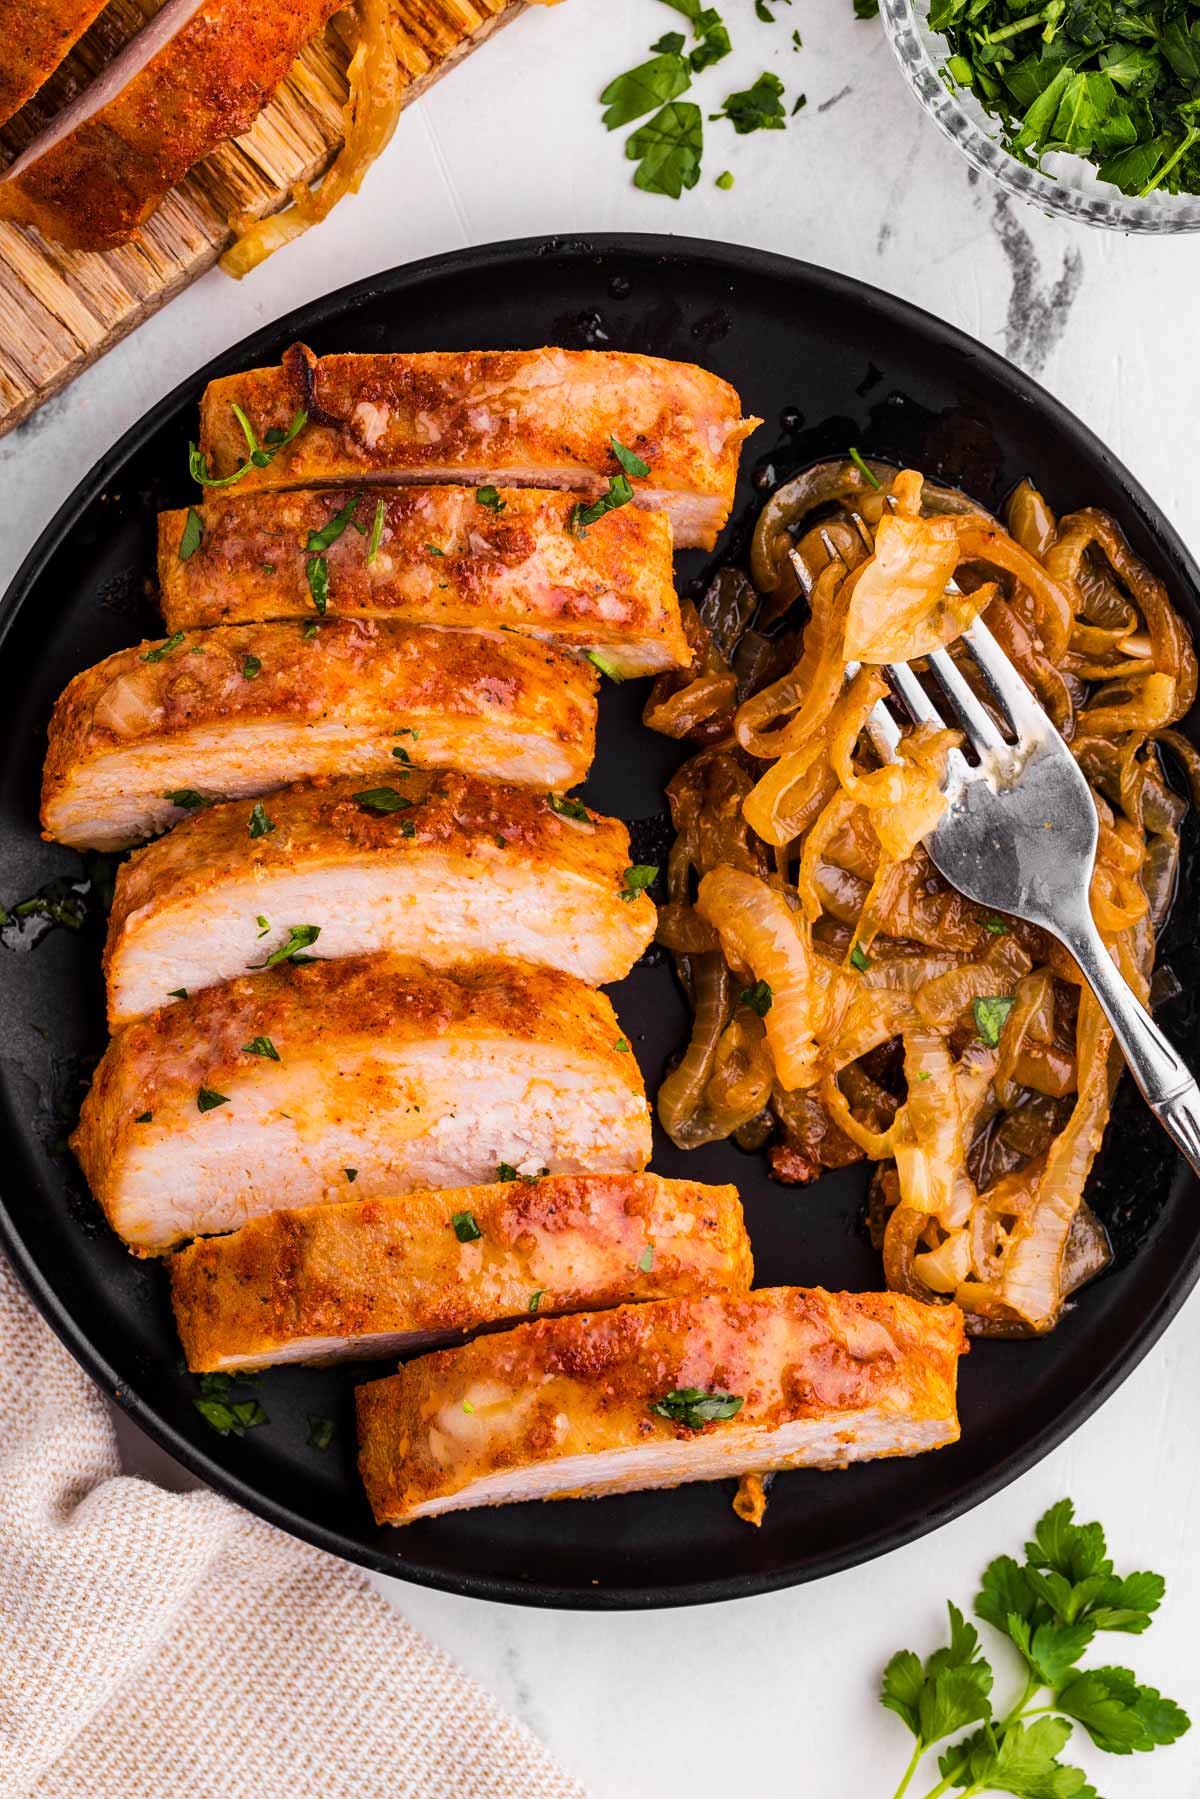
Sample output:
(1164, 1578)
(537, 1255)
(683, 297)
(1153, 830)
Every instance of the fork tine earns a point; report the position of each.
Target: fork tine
(915, 698)
(968, 708)
(1025, 711)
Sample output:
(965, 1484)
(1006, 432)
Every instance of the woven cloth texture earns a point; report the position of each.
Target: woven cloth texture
(155, 1644)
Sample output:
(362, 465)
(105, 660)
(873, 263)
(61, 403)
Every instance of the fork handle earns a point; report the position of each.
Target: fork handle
(1165, 1079)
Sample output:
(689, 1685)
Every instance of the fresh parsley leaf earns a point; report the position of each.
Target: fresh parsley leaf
(193, 535)
(759, 998)
(376, 533)
(261, 1046)
(489, 497)
(990, 1013)
(259, 824)
(316, 571)
(714, 47)
(568, 807)
(259, 456)
(667, 150)
(629, 460)
(636, 879)
(619, 494)
(319, 541)
(638, 91)
(207, 1099)
(952, 1688)
(1120, 1716)
(1023, 1761)
(669, 44)
(757, 108)
(162, 650)
(298, 938)
(693, 1407)
(320, 1432)
(505, 1171)
(762, 12)
(381, 799)
(465, 1227)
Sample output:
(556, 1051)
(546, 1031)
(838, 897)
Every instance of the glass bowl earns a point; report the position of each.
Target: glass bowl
(1067, 185)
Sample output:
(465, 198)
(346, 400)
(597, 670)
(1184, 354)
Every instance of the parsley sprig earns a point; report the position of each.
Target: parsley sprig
(1051, 1607)
(258, 455)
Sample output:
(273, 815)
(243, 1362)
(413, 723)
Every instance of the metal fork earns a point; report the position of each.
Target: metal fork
(1020, 833)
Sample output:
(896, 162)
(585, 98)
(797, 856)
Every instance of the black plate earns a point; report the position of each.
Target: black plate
(855, 367)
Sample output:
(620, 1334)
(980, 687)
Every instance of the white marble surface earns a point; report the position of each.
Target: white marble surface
(773, 1694)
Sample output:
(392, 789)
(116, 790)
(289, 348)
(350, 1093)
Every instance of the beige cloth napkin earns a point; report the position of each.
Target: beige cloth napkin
(155, 1645)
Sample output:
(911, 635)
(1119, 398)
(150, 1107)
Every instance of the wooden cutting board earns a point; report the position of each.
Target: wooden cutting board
(62, 309)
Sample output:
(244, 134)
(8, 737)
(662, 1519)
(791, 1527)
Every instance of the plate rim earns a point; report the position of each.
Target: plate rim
(734, 260)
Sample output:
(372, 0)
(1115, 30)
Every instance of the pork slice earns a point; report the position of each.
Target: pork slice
(434, 556)
(240, 710)
(462, 868)
(257, 1095)
(379, 1277)
(35, 36)
(570, 1407)
(196, 75)
(514, 418)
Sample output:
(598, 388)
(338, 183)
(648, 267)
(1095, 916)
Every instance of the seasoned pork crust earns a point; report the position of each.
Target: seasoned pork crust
(516, 418)
(242, 709)
(414, 1078)
(441, 557)
(463, 868)
(35, 35)
(199, 73)
(391, 1276)
(564, 1408)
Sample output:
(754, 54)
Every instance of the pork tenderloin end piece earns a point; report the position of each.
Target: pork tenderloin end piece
(459, 868)
(435, 556)
(393, 1276)
(165, 728)
(257, 1095)
(509, 418)
(567, 1407)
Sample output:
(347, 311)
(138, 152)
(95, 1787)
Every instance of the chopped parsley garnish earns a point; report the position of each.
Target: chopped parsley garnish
(316, 571)
(465, 1227)
(381, 799)
(261, 1046)
(759, 998)
(724, 181)
(695, 1408)
(407, 828)
(144, 1118)
(856, 458)
(568, 807)
(263, 925)
(376, 533)
(996, 927)
(990, 1014)
(402, 755)
(535, 1298)
(645, 1261)
(435, 549)
(638, 91)
(162, 650)
(637, 878)
(667, 150)
(757, 108)
(187, 799)
(258, 455)
(207, 1099)
(319, 541)
(1116, 84)
(298, 938)
(467, 1406)
(859, 958)
(622, 1046)
(866, 9)
(193, 534)
(489, 497)
(230, 1417)
(505, 1171)
(311, 628)
(351, 1174)
(251, 668)
(320, 1431)
(259, 825)
(714, 45)
(629, 460)
(606, 666)
(177, 993)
